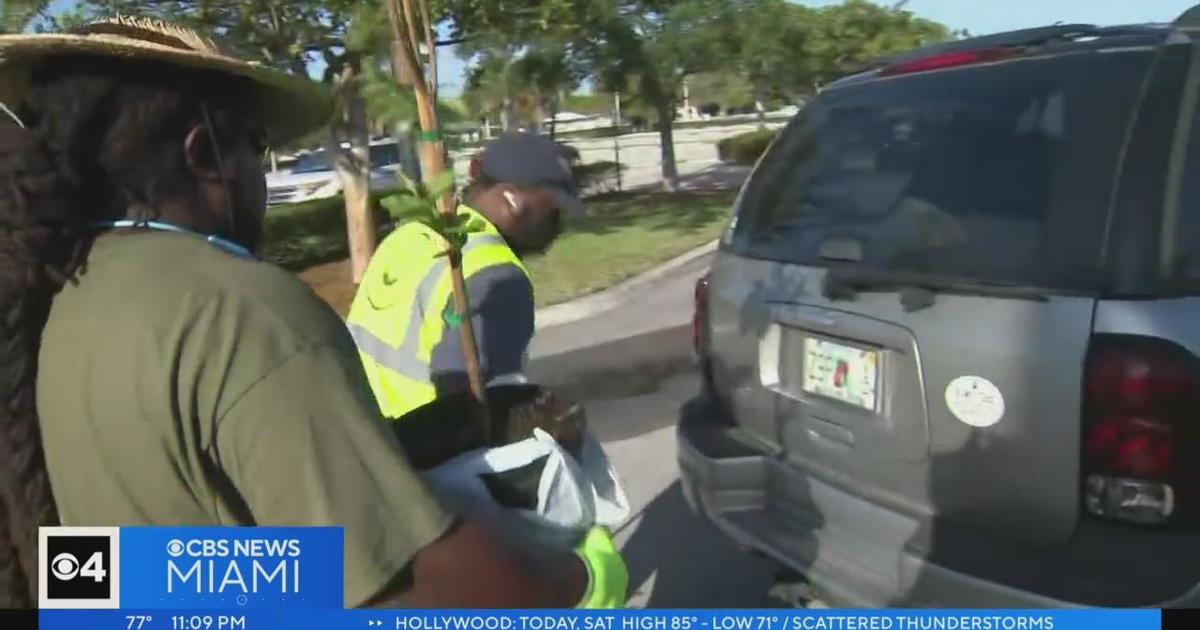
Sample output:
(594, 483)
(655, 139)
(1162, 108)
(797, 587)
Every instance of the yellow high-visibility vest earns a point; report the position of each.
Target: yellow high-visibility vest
(403, 303)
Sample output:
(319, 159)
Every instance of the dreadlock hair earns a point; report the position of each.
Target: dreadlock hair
(104, 140)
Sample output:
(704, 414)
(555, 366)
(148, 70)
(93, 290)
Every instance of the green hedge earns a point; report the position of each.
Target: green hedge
(745, 148)
(298, 236)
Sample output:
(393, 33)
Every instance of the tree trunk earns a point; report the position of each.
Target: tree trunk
(539, 114)
(407, 134)
(353, 171)
(670, 172)
(506, 115)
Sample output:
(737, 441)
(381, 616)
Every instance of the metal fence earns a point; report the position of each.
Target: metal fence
(639, 158)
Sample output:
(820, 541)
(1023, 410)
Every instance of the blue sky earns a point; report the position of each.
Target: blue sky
(980, 17)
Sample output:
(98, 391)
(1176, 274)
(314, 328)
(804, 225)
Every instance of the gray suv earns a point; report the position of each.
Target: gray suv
(951, 338)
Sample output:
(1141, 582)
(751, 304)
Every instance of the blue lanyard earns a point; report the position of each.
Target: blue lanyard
(216, 241)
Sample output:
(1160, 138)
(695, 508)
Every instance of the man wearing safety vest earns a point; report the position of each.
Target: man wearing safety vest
(404, 321)
(403, 317)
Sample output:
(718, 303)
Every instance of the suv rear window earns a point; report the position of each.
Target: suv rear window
(1001, 172)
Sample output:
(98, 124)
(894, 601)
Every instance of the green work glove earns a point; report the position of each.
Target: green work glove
(608, 579)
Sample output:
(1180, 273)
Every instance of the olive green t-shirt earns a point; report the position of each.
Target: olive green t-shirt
(181, 385)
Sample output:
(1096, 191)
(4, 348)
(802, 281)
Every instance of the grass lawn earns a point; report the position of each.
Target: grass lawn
(623, 235)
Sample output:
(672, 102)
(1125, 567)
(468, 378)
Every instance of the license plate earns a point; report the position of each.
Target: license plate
(843, 373)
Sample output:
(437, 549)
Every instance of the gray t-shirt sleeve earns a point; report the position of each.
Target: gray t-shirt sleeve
(502, 310)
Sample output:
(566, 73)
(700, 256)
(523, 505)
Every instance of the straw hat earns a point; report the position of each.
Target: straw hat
(287, 106)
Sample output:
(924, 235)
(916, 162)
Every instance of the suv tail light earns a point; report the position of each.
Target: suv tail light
(1141, 397)
(700, 327)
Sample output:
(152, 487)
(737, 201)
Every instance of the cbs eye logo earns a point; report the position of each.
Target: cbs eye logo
(78, 567)
(65, 567)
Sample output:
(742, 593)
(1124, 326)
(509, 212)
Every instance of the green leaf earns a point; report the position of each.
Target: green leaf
(431, 224)
(404, 208)
(475, 224)
(411, 186)
(440, 184)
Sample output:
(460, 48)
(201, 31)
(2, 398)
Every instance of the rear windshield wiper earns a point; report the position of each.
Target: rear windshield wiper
(917, 291)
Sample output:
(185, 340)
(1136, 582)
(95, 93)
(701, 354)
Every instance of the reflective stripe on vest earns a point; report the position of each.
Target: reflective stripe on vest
(407, 359)
(400, 373)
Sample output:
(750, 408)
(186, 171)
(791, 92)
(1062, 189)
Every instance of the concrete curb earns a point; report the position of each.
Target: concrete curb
(616, 295)
(617, 369)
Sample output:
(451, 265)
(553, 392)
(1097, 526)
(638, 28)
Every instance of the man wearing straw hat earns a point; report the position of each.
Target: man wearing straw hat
(152, 372)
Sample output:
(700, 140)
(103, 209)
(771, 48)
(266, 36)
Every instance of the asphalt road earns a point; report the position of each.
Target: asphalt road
(675, 559)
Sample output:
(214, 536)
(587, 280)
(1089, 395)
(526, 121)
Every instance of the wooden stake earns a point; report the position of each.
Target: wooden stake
(433, 158)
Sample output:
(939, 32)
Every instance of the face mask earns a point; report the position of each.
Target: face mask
(216, 147)
(232, 208)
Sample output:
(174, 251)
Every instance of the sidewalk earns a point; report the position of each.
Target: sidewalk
(658, 299)
(716, 176)
(692, 176)
(638, 336)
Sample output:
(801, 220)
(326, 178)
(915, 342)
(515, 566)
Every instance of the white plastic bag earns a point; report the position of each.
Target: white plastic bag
(572, 496)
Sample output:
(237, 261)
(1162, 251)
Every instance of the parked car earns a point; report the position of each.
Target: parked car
(951, 337)
(312, 175)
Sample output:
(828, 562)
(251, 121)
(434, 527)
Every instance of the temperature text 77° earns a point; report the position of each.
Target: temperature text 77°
(137, 621)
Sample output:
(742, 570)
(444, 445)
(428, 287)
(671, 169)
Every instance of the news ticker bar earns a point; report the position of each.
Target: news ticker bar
(250, 578)
(884, 619)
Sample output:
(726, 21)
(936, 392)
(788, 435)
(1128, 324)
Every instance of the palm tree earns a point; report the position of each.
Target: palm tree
(391, 106)
(531, 84)
(547, 72)
(494, 86)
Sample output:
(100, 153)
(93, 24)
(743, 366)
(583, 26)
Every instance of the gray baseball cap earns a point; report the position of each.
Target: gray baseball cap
(525, 159)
